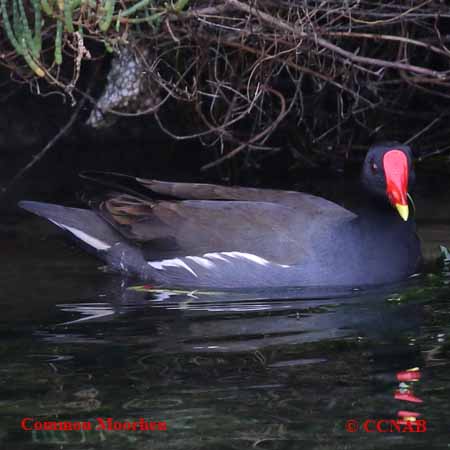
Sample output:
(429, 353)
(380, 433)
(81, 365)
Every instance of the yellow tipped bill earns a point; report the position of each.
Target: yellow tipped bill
(403, 210)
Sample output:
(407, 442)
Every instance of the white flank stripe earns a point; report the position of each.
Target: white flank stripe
(175, 262)
(90, 240)
(215, 256)
(249, 256)
(202, 262)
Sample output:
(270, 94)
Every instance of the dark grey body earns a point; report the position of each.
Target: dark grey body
(210, 236)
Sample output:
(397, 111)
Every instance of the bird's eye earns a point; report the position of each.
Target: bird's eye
(373, 166)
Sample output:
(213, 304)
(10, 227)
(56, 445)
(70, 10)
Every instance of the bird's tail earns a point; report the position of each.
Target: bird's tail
(96, 235)
(84, 224)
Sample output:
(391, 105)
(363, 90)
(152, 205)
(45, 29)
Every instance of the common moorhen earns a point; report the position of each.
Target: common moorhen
(204, 235)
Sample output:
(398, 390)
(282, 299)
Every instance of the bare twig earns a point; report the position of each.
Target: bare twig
(425, 129)
(257, 137)
(330, 46)
(36, 158)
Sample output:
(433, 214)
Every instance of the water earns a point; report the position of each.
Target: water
(245, 370)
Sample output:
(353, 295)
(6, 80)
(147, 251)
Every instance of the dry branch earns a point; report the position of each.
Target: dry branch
(327, 74)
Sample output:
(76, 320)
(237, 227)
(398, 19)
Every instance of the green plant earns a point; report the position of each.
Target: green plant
(27, 23)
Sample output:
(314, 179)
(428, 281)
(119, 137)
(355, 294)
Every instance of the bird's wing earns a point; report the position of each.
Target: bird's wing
(277, 232)
(149, 188)
(201, 191)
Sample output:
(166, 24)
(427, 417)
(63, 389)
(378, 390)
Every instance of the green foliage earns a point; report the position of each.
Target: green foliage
(105, 22)
(20, 35)
(29, 23)
(58, 42)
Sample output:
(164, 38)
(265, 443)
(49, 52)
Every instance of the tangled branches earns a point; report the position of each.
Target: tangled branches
(63, 25)
(261, 75)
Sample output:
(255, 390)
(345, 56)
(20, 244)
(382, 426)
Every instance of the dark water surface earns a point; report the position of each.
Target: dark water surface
(248, 370)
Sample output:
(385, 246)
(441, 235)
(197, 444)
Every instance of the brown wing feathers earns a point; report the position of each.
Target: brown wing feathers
(201, 191)
(192, 219)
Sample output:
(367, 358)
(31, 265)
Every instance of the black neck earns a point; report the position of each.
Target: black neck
(378, 211)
